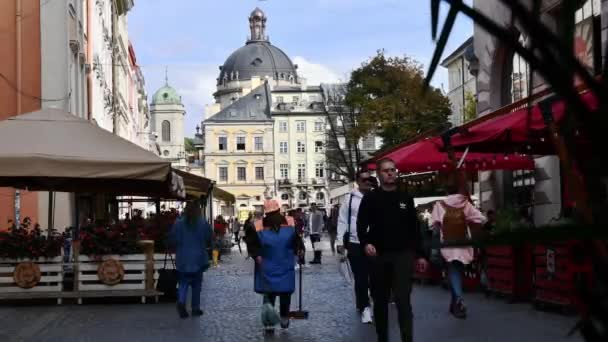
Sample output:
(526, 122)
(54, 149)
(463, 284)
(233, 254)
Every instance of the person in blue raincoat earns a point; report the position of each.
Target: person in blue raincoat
(273, 246)
(191, 235)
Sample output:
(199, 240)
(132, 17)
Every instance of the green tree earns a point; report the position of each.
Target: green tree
(470, 107)
(394, 103)
(189, 145)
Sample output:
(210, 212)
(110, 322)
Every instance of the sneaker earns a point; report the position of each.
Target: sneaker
(284, 322)
(196, 313)
(181, 310)
(366, 316)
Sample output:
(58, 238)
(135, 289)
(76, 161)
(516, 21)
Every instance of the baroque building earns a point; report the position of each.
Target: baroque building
(265, 133)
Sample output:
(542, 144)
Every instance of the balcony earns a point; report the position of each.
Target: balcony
(283, 183)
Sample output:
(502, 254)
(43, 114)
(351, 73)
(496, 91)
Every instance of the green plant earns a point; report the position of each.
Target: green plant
(26, 242)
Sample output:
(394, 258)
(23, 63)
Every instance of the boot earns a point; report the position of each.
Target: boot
(317, 259)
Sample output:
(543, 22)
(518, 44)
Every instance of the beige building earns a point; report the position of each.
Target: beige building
(461, 83)
(265, 133)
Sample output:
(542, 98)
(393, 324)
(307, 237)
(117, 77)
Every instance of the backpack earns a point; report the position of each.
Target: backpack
(454, 226)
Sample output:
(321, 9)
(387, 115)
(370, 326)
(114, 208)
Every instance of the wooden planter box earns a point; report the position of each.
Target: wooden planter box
(510, 271)
(134, 277)
(51, 279)
(558, 268)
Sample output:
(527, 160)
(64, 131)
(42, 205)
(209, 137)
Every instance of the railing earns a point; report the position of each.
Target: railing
(302, 181)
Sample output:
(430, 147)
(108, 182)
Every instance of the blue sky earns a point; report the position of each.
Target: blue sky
(326, 38)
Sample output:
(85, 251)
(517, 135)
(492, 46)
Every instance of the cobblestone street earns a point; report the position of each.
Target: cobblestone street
(232, 313)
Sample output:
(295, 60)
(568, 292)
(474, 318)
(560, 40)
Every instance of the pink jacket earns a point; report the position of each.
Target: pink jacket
(464, 254)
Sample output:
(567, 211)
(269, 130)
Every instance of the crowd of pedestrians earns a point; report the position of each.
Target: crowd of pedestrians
(376, 231)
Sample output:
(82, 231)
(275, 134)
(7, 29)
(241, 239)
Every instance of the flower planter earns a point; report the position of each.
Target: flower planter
(133, 277)
(15, 279)
(510, 271)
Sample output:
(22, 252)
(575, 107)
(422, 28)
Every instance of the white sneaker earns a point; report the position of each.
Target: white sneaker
(366, 316)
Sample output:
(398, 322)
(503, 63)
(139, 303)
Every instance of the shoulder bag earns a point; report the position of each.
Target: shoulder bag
(346, 237)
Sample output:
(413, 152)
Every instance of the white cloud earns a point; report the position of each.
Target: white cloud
(315, 73)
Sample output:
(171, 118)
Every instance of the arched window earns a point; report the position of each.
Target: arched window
(320, 196)
(285, 197)
(303, 196)
(166, 131)
(520, 75)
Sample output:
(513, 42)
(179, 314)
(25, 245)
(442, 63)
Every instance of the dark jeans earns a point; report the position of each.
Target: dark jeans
(358, 264)
(392, 271)
(332, 241)
(193, 280)
(285, 302)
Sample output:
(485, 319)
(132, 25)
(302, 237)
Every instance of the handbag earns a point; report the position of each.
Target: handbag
(346, 237)
(167, 279)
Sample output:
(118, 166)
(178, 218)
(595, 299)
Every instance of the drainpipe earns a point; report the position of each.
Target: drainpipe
(89, 62)
(114, 68)
(18, 63)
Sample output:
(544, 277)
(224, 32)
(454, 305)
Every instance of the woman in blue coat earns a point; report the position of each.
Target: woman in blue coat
(274, 246)
(191, 235)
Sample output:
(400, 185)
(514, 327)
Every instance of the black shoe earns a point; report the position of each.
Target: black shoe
(196, 313)
(284, 322)
(181, 310)
(458, 309)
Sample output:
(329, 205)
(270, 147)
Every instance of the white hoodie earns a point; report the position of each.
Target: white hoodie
(343, 218)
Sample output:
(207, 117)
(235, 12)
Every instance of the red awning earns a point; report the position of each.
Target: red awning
(516, 131)
(426, 155)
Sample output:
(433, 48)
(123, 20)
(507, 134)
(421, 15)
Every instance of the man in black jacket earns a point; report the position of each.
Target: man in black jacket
(387, 227)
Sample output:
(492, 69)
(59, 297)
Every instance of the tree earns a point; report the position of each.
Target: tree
(342, 149)
(390, 93)
(189, 145)
(470, 107)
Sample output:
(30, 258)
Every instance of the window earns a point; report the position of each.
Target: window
(259, 173)
(284, 171)
(300, 126)
(223, 171)
(283, 147)
(241, 173)
(258, 143)
(282, 126)
(285, 197)
(303, 196)
(320, 196)
(240, 143)
(301, 147)
(301, 172)
(318, 146)
(280, 99)
(319, 170)
(222, 143)
(166, 153)
(369, 143)
(319, 126)
(166, 130)
(295, 99)
(520, 75)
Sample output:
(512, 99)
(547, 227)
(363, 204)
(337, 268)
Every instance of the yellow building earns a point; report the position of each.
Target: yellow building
(239, 149)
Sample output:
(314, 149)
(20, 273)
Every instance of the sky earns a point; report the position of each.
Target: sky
(326, 38)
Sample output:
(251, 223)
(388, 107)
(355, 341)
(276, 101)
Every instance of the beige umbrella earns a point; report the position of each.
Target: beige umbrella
(52, 150)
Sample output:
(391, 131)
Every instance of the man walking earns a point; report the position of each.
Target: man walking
(315, 226)
(387, 227)
(348, 239)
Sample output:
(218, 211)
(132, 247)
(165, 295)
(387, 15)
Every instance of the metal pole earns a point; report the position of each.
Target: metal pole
(50, 213)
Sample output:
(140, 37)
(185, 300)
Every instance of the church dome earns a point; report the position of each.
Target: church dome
(166, 95)
(258, 57)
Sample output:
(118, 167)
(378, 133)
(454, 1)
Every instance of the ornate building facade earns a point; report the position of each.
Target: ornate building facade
(265, 133)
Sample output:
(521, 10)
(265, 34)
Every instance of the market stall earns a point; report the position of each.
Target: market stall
(51, 150)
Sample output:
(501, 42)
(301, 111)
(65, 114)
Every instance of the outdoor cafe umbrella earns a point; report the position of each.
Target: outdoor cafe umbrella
(52, 150)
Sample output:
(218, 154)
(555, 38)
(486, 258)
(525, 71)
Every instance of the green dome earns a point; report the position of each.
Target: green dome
(166, 95)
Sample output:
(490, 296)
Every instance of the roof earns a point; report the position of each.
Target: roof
(258, 58)
(299, 89)
(254, 106)
(166, 95)
(458, 52)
